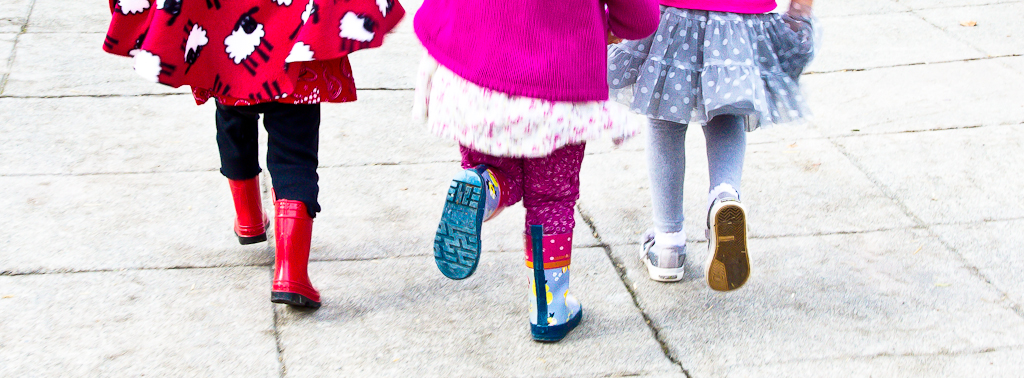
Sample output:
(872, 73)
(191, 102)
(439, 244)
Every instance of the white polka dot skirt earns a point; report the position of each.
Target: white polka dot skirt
(700, 64)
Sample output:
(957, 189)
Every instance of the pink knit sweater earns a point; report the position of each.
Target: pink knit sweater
(732, 6)
(553, 50)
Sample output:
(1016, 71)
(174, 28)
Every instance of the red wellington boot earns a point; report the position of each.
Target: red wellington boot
(293, 228)
(250, 221)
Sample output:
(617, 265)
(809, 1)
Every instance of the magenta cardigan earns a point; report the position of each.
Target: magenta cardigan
(732, 6)
(553, 50)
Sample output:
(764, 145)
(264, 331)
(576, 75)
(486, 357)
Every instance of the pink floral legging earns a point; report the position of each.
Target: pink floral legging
(549, 186)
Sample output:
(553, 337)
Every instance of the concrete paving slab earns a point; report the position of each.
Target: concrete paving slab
(931, 4)
(392, 66)
(174, 323)
(884, 40)
(105, 222)
(7, 41)
(88, 135)
(55, 16)
(390, 317)
(14, 14)
(950, 176)
(379, 129)
(916, 98)
(997, 31)
(826, 298)
(790, 188)
(999, 363)
(36, 72)
(387, 211)
(826, 9)
(993, 248)
(1016, 63)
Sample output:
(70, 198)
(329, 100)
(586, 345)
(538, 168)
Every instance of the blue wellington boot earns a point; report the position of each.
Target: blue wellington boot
(550, 301)
(474, 196)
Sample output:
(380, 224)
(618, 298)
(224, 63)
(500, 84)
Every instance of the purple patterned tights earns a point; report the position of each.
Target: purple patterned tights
(549, 186)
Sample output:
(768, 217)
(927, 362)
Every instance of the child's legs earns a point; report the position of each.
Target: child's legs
(238, 142)
(551, 188)
(512, 168)
(293, 139)
(727, 144)
(666, 162)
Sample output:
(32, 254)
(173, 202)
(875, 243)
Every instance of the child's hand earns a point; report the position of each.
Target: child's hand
(611, 39)
(800, 8)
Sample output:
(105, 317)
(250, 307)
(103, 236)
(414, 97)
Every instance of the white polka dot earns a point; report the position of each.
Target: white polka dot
(660, 38)
(679, 87)
(673, 109)
(644, 90)
(735, 51)
(650, 69)
(664, 97)
(686, 46)
(686, 100)
(707, 101)
(693, 59)
(727, 96)
(639, 47)
(716, 53)
(552, 242)
(612, 67)
(671, 74)
(615, 81)
(711, 83)
(657, 95)
(561, 249)
(728, 61)
(725, 42)
(749, 92)
(707, 43)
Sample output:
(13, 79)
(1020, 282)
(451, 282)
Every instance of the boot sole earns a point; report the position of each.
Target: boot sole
(293, 299)
(457, 242)
(729, 266)
(246, 240)
(555, 333)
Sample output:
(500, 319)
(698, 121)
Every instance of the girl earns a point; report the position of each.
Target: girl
(271, 57)
(731, 67)
(521, 85)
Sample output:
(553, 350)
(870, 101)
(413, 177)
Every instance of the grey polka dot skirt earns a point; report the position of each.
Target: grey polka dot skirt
(701, 64)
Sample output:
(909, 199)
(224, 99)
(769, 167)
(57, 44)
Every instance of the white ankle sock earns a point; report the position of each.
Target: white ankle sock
(670, 238)
(721, 188)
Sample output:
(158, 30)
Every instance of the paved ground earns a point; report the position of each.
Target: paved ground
(886, 233)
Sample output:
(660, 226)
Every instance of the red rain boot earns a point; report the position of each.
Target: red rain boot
(250, 221)
(293, 228)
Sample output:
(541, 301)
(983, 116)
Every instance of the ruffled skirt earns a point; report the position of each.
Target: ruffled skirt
(700, 64)
(504, 125)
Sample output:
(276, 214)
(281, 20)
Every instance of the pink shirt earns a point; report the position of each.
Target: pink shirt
(732, 6)
(552, 50)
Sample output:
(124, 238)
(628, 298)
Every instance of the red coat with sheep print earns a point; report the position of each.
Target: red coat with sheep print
(249, 51)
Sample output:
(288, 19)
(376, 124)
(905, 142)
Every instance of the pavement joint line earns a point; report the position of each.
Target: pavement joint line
(949, 128)
(973, 269)
(619, 268)
(283, 368)
(941, 353)
(986, 57)
(14, 48)
(41, 272)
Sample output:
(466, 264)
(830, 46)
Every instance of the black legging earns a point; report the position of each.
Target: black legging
(293, 132)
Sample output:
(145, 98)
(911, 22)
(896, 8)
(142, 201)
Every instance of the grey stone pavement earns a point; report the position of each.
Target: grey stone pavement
(886, 232)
